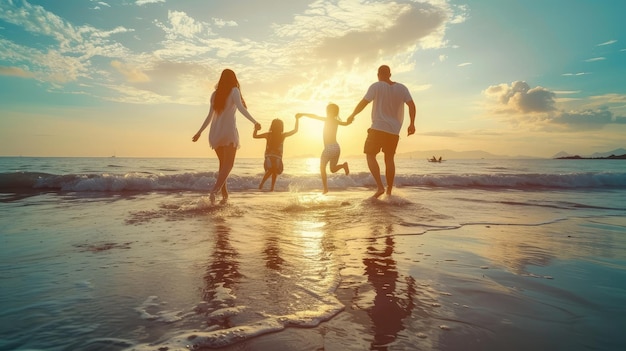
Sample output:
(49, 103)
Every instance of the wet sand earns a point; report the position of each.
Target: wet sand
(302, 271)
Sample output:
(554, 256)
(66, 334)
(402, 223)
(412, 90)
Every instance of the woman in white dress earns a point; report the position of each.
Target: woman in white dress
(223, 134)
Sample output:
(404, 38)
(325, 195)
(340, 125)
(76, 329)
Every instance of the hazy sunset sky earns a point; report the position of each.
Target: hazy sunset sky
(134, 77)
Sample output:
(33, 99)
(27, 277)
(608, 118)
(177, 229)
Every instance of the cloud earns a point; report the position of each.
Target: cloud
(220, 23)
(520, 98)
(36, 20)
(587, 119)
(365, 30)
(15, 72)
(536, 108)
(411, 24)
(68, 60)
(575, 74)
(610, 99)
(146, 2)
(566, 92)
(464, 64)
(594, 59)
(182, 25)
(132, 73)
(608, 43)
(443, 133)
(351, 35)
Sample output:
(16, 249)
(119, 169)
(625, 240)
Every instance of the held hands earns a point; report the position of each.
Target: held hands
(257, 126)
(298, 115)
(350, 119)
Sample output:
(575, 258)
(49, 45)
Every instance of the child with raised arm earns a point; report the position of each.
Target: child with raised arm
(331, 147)
(273, 164)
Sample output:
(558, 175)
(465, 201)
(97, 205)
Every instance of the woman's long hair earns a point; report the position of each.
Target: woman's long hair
(228, 81)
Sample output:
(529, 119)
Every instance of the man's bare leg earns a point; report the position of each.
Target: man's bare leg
(375, 171)
(390, 171)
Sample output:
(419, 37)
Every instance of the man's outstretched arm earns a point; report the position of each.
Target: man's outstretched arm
(359, 107)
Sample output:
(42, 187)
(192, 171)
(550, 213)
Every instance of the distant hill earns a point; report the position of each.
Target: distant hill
(451, 154)
(562, 154)
(616, 152)
(620, 151)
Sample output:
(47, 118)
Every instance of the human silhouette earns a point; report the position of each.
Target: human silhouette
(223, 134)
(387, 116)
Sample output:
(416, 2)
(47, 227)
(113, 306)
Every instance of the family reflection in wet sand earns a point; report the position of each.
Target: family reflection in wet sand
(395, 296)
(222, 274)
(388, 97)
(298, 257)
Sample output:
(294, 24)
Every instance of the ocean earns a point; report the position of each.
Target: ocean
(129, 254)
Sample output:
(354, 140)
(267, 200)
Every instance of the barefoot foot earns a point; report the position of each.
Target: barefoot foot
(212, 198)
(378, 193)
(345, 167)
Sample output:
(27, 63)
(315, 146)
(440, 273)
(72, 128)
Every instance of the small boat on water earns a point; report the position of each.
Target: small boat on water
(434, 159)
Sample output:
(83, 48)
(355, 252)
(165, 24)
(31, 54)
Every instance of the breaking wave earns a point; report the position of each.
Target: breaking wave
(203, 181)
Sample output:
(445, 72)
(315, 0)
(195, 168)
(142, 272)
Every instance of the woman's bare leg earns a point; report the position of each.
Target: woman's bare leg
(226, 156)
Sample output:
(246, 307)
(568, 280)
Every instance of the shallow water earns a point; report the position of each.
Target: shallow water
(446, 268)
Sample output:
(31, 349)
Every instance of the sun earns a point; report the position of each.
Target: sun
(308, 141)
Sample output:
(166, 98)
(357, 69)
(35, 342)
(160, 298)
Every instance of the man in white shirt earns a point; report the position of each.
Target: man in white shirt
(387, 116)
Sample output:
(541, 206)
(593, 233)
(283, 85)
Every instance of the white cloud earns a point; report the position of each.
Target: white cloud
(182, 25)
(520, 98)
(464, 64)
(68, 60)
(350, 30)
(346, 35)
(566, 92)
(35, 19)
(146, 2)
(220, 23)
(575, 74)
(594, 59)
(608, 43)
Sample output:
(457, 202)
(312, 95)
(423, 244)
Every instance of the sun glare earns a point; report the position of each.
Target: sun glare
(312, 165)
(308, 141)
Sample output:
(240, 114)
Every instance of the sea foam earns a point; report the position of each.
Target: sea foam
(203, 181)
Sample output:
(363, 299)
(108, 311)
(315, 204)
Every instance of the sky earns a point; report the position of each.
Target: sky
(133, 78)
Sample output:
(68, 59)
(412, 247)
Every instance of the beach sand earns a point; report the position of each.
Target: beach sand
(422, 270)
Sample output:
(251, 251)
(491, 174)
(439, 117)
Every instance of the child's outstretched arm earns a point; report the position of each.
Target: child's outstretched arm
(310, 115)
(257, 127)
(295, 128)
